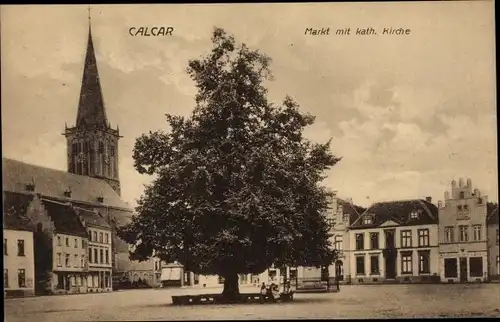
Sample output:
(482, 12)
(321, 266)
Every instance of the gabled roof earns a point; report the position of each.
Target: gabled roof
(400, 213)
(65, 218)
(53, 183)
(91, 218)
(493, 217)
(15, 207)
(350, 209)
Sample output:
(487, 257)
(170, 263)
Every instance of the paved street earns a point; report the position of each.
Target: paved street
(381, 301)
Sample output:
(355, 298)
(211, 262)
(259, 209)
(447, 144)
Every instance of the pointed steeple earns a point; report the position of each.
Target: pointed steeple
(91, 112)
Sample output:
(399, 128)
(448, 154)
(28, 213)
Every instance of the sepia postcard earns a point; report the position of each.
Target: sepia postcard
(249, 161)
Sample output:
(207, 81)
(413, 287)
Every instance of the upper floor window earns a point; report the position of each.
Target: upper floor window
(5, 246)
(67, 261)
(338, 243)
(58, 259)
(448, 234)
(90, 255)
(82, 261)
(101, 147)
(20, 247)
(476, 232)
(101, 238)
(360, 241)
(94, 235)
(83, 243)
(405, 238)
(423, 237)
(96, 260)
(374, 241)
(76, 243)
(464, 236)
(67, 241)
(59, 241)
(106, 238)
(76, 261)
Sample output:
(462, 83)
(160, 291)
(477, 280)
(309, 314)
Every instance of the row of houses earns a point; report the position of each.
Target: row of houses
(455, 240)
(405, 241)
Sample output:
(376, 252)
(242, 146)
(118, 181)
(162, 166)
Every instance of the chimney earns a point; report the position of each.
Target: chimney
(428, 199)
(461, 182)
(469, 183)
(349, 200)
(453, 184)
(446, 195)
(477, 193)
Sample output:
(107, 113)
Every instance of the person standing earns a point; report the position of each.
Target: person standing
(337, 283)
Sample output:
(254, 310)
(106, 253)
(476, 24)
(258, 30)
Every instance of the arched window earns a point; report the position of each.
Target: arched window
(462, 195)
(101, 158)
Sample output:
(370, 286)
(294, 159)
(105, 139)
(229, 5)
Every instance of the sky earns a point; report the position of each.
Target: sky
(407, 114)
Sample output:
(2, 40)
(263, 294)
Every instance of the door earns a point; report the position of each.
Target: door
(463, 269)
(390, 254)
(339, 270)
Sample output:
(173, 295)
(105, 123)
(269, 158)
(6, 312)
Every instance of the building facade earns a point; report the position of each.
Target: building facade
(493, 247)
(99, 250)
(463, 246)
(395, 241)
(18, 252)
(341, 214)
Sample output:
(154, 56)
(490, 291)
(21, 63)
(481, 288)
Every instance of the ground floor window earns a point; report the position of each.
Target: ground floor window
(424, 266)
(406, 263)
(60, 281)
(450, 267)
(360, 265)
(6, 278)
(476, 266)
(272, 275)
(374, 265)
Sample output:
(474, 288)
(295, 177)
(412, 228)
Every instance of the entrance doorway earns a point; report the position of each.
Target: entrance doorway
(390, 254)
(339, 270)
(463, 269)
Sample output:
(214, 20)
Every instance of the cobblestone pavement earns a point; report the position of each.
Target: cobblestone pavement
(377, 301)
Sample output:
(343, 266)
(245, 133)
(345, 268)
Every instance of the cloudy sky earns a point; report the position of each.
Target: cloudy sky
(408, 114)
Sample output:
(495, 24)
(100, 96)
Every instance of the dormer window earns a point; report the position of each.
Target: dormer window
(367, 220)
(100, 199)
(414, 214)
(30, 186)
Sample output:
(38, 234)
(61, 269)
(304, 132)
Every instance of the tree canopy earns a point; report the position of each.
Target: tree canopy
(236, 186)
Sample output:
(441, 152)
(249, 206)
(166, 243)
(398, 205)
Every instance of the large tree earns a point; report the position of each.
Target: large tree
(236, 186)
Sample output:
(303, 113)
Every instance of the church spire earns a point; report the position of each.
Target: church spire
(91, 112)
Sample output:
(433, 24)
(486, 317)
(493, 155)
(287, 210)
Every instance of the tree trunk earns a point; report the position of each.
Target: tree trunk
(231, 290)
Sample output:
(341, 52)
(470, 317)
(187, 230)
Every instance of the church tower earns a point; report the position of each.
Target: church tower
(92, 145)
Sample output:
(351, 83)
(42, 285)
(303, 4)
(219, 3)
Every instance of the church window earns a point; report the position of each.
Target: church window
(101, 147)
(93, 169)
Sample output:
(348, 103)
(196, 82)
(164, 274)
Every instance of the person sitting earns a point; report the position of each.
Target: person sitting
(275, 292)
(263, 289)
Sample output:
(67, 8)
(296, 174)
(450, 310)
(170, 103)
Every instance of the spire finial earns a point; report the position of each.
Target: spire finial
(89, 13)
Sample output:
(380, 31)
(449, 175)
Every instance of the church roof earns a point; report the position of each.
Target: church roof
(15, 207)
(53, 183)
(399, 212)
(91, 111)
